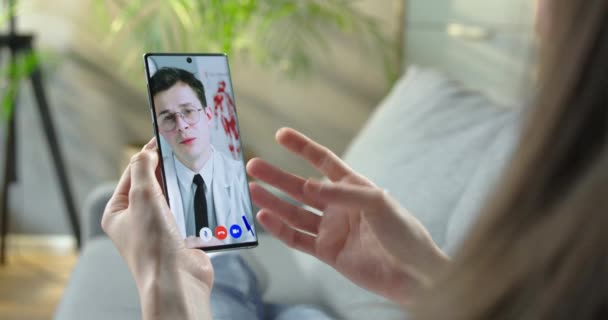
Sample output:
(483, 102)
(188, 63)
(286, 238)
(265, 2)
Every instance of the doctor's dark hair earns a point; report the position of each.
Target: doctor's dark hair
(167, 77)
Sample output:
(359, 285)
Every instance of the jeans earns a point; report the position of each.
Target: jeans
(236, 294)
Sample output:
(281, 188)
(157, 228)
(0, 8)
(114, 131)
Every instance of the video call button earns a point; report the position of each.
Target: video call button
(206, 234)
(221, 232)
(236, 231)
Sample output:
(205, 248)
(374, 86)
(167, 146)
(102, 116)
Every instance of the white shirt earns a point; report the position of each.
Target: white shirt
(187, 188)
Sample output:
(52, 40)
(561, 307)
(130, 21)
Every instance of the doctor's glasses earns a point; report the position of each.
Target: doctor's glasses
(167, 122)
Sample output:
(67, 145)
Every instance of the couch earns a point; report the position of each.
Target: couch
(437, 146)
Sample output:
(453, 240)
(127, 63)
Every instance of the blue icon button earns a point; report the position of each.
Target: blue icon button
(248, 226)
(236, 231)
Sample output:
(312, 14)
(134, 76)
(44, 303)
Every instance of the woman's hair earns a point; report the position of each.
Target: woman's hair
(540, 247)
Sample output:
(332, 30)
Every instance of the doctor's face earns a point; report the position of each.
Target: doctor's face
(183, 122)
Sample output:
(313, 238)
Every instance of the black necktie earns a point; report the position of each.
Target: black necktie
(200, 205)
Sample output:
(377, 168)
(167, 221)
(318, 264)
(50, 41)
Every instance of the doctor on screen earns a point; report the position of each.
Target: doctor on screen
(206, 188)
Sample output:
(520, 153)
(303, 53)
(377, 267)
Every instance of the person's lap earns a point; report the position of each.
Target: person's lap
(236, 294)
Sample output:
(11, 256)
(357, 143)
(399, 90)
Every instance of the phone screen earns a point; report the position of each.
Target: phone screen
(203, 167)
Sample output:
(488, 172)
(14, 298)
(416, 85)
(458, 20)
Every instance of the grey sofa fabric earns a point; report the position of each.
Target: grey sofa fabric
(100, 286)
(426, 143)
(482, 183)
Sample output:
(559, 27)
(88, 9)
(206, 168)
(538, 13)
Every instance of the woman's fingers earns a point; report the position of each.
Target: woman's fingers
(293, 238)
(328, 163)
(319, 156)
(120, 198)
(134, 184)
(144, 184)
(151, 144)
(399, 232)
(295, 217)
(284, 181)
(382, 212)
(346, 195)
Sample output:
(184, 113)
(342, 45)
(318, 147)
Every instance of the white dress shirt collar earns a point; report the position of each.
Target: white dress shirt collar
(185, 176)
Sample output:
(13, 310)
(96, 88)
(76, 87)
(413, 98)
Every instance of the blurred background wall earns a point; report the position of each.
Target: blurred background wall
(100, 111)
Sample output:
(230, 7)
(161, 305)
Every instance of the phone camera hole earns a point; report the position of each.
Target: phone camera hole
(189, 60)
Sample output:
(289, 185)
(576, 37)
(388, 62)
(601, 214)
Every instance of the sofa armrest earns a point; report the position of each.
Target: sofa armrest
(93, 208)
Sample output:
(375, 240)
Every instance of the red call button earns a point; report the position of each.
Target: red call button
(221, 232)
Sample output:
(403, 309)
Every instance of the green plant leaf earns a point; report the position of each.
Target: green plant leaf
(281, 34)
(14, 74)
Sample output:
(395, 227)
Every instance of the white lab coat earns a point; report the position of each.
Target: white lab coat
(230, 195)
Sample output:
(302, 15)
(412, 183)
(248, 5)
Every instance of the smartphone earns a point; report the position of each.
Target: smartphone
(199, 142)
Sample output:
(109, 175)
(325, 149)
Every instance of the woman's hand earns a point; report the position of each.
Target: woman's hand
(173, 282)
(197, 242)
(363, 232)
